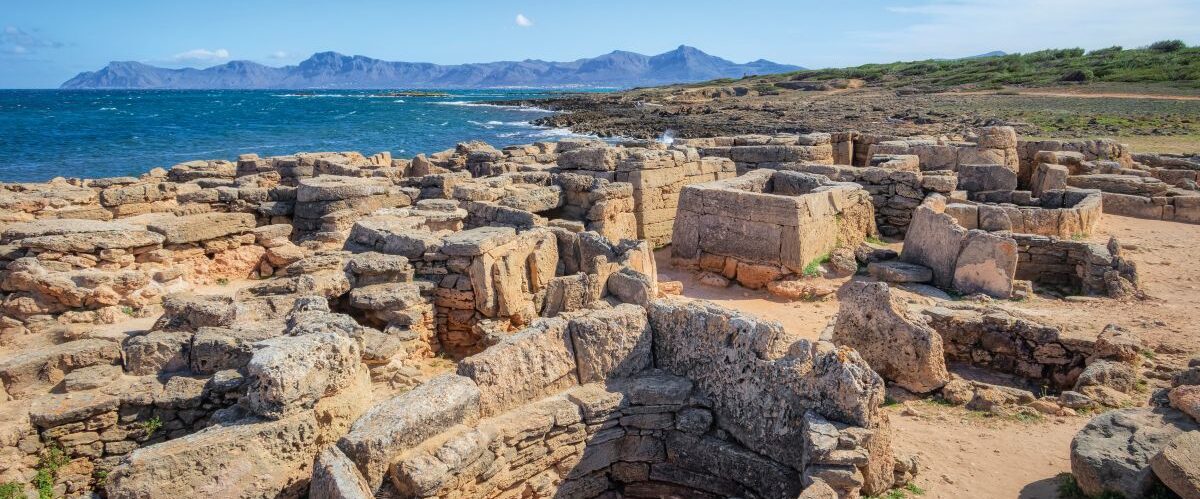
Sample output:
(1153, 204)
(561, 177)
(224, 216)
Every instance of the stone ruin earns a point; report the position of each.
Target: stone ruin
(765, 225)
(485, 322)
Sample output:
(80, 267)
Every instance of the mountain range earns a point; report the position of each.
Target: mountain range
(333, 70)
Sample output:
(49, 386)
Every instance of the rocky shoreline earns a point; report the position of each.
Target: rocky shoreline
(713, 110)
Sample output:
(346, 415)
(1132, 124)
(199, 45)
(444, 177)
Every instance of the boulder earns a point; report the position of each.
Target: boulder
(1112, 452)
(987, 264)
(900, 347)
(1178, 465)
(291, 373)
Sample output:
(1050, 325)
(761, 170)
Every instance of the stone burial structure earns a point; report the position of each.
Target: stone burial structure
(980, 248)
(766, 225)
(627, 401)
(1162, 189)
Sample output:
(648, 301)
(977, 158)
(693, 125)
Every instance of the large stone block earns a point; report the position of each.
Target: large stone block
(611, 343)
(900, 347)
(392, 426)
(202, 227)
(987, 264)
(934, 240)
(531, 364)
(291, 373)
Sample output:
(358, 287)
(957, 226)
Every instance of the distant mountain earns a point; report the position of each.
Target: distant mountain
(994, 53)
(334, 70)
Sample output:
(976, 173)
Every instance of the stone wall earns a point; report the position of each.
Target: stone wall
(895, 192)
(995, 145)
(749, 152)
(1070, 213)
(623, 401)
(1000, 341)
(657, 174)
(1078, 267)
(767, 223)
(1090, 150)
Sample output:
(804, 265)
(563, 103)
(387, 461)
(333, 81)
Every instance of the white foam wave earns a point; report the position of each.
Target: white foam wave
(463, 103)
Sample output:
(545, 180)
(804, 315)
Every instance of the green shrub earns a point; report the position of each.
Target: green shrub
(11, 490)
(1078, 75)
(51, 460)
(1168, 46)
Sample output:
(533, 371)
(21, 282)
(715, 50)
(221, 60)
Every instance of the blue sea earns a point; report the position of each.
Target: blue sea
(104, 133)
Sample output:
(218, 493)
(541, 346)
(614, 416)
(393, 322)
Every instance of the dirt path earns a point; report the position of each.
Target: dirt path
(966, 454)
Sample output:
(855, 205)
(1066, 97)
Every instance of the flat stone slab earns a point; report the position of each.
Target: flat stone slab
(202, 227)
(57, 410)
(477, 241)
(336, 188)
(899, 272)
(387, 296)
(58, 227)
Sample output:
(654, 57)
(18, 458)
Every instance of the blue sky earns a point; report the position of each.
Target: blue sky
(45, 42)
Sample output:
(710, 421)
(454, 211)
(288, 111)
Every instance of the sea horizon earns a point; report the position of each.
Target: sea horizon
(94, 133)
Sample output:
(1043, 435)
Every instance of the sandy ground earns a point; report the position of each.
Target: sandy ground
(967, 454)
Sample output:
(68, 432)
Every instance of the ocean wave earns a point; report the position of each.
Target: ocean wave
(107, 109)
(463, 103)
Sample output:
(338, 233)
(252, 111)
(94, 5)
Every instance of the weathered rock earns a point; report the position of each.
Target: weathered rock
(1178, 464)
(335, 477)
(534, 363)
(158, 352)
(1112, 452)
(987, 264)
(1117, 343)
(202, 227)
(933, 240)
(1187, 399)
(899, 347)
(899, 272)
(291, 373)
(407, 420)
(41, 369)
(611, 343)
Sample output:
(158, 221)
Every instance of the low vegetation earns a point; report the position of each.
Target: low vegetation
(1171, 62)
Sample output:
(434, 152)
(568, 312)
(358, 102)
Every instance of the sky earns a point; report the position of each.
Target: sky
(46, 42)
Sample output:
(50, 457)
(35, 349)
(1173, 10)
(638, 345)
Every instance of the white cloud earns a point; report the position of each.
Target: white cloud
(201, 55)
(523, 21)
(18, 42)
(955, 28)
(279, 54)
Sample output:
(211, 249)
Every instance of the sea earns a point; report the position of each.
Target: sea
(107, 133)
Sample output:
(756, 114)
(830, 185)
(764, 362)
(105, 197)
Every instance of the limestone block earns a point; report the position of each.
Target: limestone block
(900, 347)
(392, 426)
(611, 343)
(987, 264)
(534, 363)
